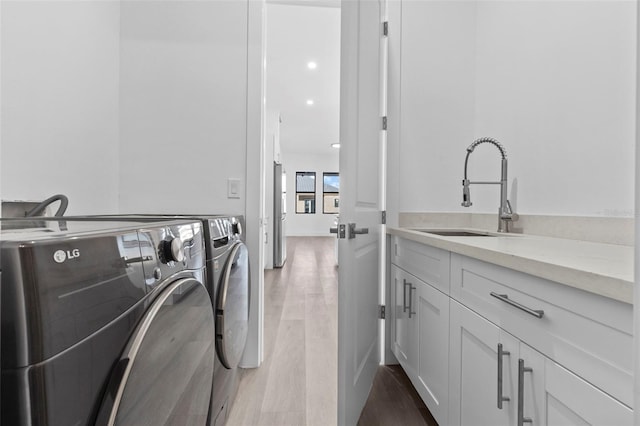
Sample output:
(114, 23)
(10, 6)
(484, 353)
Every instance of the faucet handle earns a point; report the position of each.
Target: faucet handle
(466, 194)
(508, 214)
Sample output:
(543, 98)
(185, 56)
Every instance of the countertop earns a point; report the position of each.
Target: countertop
(603, 269)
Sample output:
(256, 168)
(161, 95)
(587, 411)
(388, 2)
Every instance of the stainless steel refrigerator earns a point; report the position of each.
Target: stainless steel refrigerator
(279, 216)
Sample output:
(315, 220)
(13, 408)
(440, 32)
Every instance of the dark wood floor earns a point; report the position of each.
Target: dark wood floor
(394, 401)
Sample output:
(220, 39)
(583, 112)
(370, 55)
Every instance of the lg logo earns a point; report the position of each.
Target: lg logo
(61, 255)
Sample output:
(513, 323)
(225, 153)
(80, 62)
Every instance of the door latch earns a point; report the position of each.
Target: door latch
(340, 230)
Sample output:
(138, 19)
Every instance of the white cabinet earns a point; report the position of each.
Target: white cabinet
(555, 396)
(473, 386)
(404, 333)
(487, 345)
(588, 334)
(494, 366)
(420, 333)
(432, 369)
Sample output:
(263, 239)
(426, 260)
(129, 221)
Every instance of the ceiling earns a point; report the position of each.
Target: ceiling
(298, 32)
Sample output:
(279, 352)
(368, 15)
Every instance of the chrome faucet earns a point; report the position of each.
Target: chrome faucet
(505, 212)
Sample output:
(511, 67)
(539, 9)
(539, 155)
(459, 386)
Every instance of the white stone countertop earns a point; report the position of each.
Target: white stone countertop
(604, 269)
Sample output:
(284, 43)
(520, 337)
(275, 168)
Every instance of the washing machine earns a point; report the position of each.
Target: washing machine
(228, 284)
(228, 261)
(105, 322)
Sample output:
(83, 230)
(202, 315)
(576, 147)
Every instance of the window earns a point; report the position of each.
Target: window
(306, 192)
(330, 193)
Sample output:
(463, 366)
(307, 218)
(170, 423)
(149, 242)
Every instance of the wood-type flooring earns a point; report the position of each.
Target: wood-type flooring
(297, 383)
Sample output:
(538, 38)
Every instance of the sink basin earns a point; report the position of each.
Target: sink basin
(455, 233)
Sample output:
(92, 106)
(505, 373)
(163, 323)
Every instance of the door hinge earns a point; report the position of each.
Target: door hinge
(384, 217)
(384, 123)
(382, 311)
(385, 28)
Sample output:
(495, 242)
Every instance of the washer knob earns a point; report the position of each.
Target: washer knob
(174, 250)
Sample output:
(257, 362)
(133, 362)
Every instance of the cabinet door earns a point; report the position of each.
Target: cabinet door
(473, 378)
(554, 396)
(432, 381)
(404, 340)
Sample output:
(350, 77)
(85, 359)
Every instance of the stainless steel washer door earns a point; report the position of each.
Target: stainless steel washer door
(232, 307)
(165, 375)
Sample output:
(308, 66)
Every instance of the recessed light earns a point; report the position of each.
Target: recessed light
(335, 145)
(309, 101)
(312, 65)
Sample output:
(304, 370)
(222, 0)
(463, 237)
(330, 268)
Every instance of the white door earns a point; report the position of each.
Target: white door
(362, 99)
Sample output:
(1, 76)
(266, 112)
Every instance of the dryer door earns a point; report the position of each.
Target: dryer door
(165, 374)
(232, 307)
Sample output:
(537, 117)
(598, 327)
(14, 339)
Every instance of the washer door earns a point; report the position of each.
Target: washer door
(232, 308)
(165, 374)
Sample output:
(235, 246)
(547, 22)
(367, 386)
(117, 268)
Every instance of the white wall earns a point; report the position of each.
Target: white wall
(308, 225)
(59, 122)
(1, 101)
(636, 264)
(553, 81)
(183, 106)
(254, 350)
(125, 106)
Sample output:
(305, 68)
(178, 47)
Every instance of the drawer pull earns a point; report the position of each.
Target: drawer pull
(521, 370)
(411, 290)
(501, 398)
(405, 283)
(538, 313)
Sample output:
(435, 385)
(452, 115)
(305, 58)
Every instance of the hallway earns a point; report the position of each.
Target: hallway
(297, 382)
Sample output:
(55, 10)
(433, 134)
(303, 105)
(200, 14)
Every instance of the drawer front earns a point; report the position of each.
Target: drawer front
(587, 334)
(430, 264)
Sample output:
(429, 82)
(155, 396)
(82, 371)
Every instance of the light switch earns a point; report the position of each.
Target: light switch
(233, 188)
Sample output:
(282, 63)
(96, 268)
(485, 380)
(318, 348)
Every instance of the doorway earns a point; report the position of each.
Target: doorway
(302, 113)
(301, 123)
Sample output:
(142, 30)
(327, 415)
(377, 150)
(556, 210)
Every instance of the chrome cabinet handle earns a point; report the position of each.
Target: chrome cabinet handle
(521, 370)
(501, 398)
(538, 313)
(404, 295)
(411, 290)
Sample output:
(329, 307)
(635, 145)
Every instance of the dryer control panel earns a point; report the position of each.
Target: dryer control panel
(170, 249)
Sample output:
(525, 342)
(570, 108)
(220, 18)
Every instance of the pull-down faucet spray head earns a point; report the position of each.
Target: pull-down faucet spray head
(466, 194)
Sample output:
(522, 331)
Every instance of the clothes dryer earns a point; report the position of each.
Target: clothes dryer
(105, 322)
(228, 284)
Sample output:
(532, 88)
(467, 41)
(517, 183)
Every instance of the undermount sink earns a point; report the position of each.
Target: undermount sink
(455, 233)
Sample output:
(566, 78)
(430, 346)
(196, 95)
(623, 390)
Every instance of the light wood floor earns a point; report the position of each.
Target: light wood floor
(297, 382)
